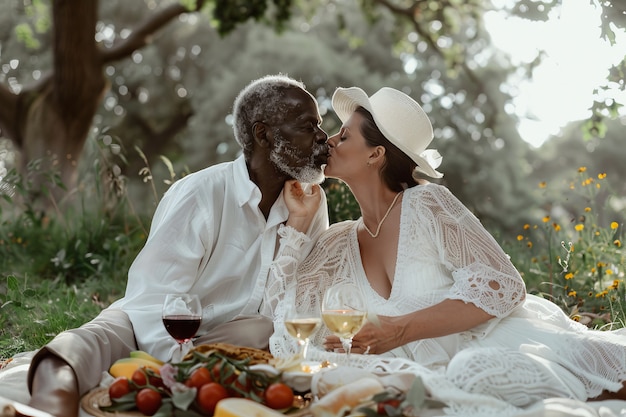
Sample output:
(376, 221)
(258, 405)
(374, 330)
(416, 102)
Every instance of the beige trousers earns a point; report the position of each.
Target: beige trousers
(92, 348)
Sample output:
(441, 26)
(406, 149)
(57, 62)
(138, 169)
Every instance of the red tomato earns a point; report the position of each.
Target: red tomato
(139, 377)
(156, 381)
(119, 387)
(199, 377)
(278, 396)
(380, 407)
(148, 401)
(208, 396)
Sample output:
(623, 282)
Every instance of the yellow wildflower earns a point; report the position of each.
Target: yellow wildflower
(526, 226)
(572, 293)
(542, 184)
(582, 169)
(593, 270)
(600, 264)
(575, 317)
(609, 272)
(546, 219)
(602, 175)
(579, 227)
(617, 243)
(569, 275)
(520, 237)
(529, 244)
(614, 225)
(587, 209)
(602, 294)
(598, 186)
(556, 226)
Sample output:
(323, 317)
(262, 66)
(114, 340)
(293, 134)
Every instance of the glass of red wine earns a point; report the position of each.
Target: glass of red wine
(182, 314)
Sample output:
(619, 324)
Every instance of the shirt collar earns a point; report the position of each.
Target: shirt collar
(246, 191)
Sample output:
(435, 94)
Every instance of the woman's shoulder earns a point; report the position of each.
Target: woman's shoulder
(428, 189)
(436, 198)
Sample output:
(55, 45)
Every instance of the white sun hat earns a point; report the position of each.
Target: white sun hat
(400, 118)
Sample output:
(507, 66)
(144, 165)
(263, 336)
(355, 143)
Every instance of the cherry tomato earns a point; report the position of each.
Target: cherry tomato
(148, 401)
(119, 387)
(199, 377)
(278, 396)
(380, 407)
(156, 381)
(208, 396)
(139, 378)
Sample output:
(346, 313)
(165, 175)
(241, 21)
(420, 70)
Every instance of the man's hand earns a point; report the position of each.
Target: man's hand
(302, 206)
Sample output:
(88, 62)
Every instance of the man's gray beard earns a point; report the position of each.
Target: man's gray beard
(309, 173)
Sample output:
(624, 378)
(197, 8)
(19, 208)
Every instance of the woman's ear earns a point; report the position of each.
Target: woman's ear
(260, 133)
(377, 155)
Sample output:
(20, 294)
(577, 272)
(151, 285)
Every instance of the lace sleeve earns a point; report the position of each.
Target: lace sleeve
(283, 269)
(483, 274)
(325, 265)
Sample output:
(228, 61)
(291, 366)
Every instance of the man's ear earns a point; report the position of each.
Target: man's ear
(260, 133)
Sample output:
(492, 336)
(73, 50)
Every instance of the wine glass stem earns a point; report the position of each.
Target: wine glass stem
(347, 346)
(305, 348)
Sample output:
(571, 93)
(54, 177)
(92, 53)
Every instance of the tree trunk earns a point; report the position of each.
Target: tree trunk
(59, 116)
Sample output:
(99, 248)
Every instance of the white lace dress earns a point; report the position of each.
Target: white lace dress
(530, 350)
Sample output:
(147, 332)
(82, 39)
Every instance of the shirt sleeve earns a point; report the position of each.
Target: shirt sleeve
(482, 272)
(168, 263)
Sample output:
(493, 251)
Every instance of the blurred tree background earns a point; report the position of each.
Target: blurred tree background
(139, 82)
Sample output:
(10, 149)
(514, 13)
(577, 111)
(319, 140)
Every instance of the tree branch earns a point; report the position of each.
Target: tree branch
(142, 34)
(411, 13)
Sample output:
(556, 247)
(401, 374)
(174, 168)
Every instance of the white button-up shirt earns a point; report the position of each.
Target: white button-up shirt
(208, 237)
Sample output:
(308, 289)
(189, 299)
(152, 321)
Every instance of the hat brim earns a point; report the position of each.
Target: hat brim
(346, 100)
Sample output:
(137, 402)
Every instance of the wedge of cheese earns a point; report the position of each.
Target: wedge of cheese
(241, 407)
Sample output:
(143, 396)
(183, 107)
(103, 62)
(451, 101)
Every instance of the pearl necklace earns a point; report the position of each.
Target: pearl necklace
(375, 235)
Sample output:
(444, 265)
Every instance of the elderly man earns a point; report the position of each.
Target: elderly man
(213, 234)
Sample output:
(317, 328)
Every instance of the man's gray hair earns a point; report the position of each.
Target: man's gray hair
(260, 101)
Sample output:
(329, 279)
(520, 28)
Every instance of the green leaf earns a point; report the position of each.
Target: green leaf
(417, 394)
(164, 411)
(12, 283)
(183, 399)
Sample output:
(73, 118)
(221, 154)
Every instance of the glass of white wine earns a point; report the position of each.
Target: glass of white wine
(302, 319)
(344, 312)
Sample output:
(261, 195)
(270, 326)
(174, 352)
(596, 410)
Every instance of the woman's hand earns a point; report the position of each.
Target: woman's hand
(302, 206)
(372, 338)
(442, 319)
